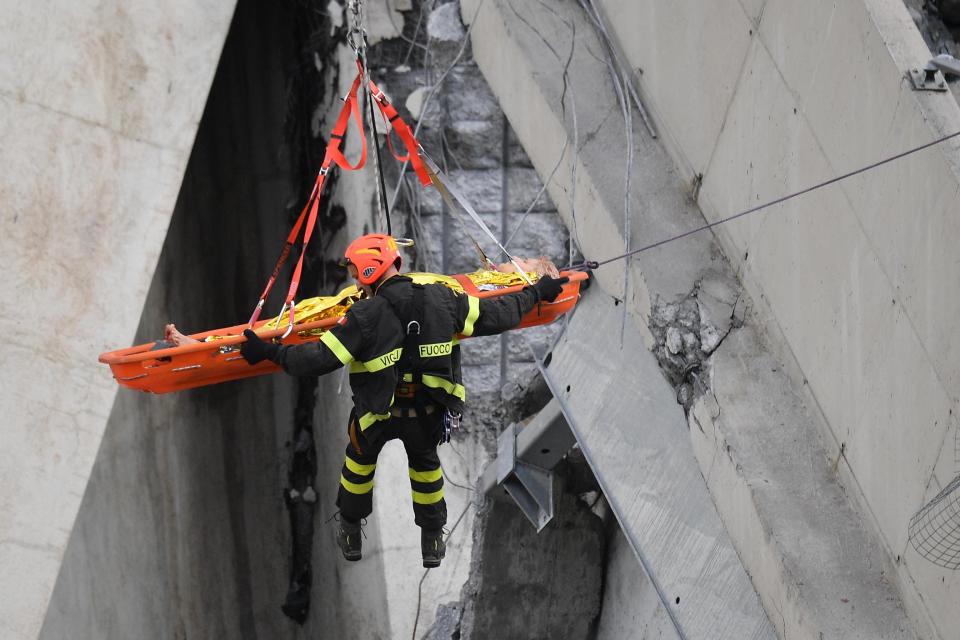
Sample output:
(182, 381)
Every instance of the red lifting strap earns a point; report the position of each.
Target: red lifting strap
(310, 209)
(332, 156)
(403, 131)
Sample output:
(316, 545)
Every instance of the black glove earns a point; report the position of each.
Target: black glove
(255, 350)
(548, 288)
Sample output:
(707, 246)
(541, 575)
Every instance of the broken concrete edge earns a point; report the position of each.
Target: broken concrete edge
(686, 332)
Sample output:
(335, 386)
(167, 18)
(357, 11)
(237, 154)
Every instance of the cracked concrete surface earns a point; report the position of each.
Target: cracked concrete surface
(688, 331)
(692, 315)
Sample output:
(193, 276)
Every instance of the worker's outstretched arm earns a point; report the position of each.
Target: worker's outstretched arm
(335, 349)
(490, 316)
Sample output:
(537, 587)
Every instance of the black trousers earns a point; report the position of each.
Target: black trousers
(420, 437)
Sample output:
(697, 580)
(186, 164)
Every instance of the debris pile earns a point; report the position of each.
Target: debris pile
(939, 24)
(687, 331)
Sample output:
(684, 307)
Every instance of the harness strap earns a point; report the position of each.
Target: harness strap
(412, 319)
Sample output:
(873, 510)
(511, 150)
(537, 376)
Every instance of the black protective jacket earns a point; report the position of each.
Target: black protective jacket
(372, 335)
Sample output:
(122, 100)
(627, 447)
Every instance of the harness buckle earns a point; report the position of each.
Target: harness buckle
(451, 425)
(410, 326)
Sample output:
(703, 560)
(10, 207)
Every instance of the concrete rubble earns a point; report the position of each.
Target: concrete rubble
(686, 332)
(938, 22)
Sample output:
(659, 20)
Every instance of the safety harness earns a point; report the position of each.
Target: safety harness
(410, 365)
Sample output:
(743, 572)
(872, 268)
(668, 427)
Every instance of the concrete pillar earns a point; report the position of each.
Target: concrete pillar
(99, 104)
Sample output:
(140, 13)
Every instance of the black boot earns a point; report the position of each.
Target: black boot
(349, 539)
(432, 547)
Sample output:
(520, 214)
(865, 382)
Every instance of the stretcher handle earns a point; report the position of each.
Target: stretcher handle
(142, 352)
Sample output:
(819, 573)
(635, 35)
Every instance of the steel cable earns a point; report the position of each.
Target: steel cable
(593, 264)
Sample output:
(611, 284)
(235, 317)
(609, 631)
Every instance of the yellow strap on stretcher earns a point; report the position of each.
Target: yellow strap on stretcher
(322, 307)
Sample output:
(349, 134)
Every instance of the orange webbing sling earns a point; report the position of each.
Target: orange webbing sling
(403, 132)
(333, 155)
(310, 209)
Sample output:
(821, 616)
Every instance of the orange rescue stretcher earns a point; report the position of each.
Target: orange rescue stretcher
(217, 357)
(150, 368)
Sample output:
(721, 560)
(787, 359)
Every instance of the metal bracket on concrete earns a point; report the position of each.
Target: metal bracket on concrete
(947, 64)
(525, 457)
(530, 486)
(927, 78)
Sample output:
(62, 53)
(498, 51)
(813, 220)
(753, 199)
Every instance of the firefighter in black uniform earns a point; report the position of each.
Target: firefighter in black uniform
(401, 345)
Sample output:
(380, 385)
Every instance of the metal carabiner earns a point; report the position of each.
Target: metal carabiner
(451, 425)
(276, 322)
(290, 325)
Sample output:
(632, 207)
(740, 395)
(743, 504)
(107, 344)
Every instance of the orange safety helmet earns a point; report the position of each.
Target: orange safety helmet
(372, 255)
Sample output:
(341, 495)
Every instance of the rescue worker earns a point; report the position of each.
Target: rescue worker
(400, 342)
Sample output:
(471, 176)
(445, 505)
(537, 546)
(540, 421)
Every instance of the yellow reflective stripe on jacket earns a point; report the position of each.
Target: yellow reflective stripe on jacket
(333, 343)
(426, 476)
(454, 389)
(427, 498)
(382, 362)
(377, 364)
(359, 469)
(436, 349)
(369, 418)
(473, 313)
(353, 487)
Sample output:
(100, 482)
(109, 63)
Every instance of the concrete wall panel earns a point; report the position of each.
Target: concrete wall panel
(906, 209)
(98, 109)
(687, 50)
(857, 277)
(140, 69)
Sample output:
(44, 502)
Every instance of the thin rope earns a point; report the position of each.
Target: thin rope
(435, 88)
(356, 9)
(869, 167)
(381, 185)
(540, 193)
(620, 81)
(597, 19)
